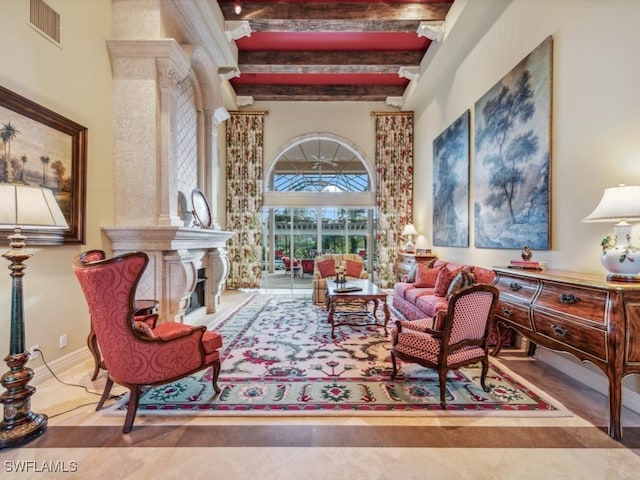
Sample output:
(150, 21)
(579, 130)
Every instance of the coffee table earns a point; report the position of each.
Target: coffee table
(355, 303)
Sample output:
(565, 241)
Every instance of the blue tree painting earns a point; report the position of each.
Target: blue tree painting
(451, 185)
(512, 154)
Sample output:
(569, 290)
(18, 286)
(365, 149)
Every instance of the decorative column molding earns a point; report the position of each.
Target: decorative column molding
(411, 73)
(394, 101)
(212, 176)
(171, 70)
(244, 101)
(431, 29)
(220, 115)
(180, 277)
(168, 76)
(235, 30)
(218, 265)
(228, 73)
(146, 75)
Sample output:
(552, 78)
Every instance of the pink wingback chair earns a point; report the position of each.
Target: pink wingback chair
(462, 339)
(134, 354)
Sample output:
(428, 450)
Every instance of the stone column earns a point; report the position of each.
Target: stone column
(145, 76)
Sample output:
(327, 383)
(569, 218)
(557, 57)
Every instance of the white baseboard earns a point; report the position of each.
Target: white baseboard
(42, 373)
(592, 379)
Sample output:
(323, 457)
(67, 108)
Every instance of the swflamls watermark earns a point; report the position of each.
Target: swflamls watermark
(40, 466)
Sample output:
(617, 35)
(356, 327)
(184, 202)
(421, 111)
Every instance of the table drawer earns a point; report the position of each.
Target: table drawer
(520, 288)
(513, 313)
(580, 302)
(586, 338)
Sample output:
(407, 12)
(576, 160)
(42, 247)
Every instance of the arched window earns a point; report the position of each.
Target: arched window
(319, 199)
(319, 165)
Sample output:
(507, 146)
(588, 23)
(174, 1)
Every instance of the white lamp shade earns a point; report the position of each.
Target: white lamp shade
(409, 230)
(617, 203)
(25, 206)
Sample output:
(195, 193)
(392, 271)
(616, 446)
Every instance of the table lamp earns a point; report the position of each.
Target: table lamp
(422, 245)
(409, 231)
(21, 207)
(620, 258)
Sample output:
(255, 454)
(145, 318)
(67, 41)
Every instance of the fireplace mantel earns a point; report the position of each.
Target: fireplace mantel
(175, 255)
(166, 238)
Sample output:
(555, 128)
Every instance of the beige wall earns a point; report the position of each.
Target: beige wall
(73, 80)
(595, 117)
(349, 120)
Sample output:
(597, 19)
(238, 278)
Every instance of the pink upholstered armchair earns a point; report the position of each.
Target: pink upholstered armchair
(461, 339)
(134, 354)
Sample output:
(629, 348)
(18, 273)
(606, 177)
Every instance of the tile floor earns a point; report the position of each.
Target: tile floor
(82, 443)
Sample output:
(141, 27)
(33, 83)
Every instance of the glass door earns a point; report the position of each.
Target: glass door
(290, 245)
(293, 237)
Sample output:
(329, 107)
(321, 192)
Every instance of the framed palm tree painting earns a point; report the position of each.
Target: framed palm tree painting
(511, 172)
(451, 185)
(42, 148)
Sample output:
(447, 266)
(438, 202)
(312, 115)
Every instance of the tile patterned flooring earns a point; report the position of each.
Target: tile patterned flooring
(82, 443)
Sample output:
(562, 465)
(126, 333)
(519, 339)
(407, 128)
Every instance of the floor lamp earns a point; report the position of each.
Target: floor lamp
(22, 207)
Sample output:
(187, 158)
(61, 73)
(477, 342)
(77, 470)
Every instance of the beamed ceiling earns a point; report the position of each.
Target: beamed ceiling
(330, 50)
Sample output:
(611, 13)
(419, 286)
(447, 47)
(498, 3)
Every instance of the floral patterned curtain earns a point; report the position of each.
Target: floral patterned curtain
(394, 189)
(244, 140)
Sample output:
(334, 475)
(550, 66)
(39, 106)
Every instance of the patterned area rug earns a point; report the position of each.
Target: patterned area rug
(279, 358)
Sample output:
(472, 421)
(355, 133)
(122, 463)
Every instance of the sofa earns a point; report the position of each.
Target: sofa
(324, 269)
(426, 290)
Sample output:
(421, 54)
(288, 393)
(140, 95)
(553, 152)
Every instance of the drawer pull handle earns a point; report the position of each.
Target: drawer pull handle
(560, 331)
(569, 298)
(514, 287)
(507, 312)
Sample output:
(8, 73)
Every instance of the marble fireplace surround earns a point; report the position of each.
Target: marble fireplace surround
(168, 107)
(175, 256)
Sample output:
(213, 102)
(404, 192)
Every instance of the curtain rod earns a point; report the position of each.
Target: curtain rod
(375, 114)
(248, 112)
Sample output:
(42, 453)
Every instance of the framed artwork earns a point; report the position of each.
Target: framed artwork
(511, 172)
(451, 185)
(42, 148)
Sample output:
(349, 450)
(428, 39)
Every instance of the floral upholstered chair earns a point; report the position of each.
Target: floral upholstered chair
(449, 341)
(136, 355)
(325, 269)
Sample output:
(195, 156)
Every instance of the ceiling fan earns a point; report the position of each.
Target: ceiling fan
(322, 160)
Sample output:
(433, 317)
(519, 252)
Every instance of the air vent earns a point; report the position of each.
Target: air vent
(45, 19)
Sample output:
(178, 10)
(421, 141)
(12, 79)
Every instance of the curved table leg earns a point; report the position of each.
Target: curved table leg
(332, 309)
(386, 316)
(615, 406)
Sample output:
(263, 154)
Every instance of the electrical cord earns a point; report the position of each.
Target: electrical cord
(84, 387)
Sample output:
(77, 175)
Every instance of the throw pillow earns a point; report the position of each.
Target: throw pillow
(353, 268)
(327, 268)
(443, 280)
(143, 329)
(411, 277)
(462, 280)
(425, 276)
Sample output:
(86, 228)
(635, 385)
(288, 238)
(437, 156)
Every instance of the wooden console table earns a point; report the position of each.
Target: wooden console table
(595, 320)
